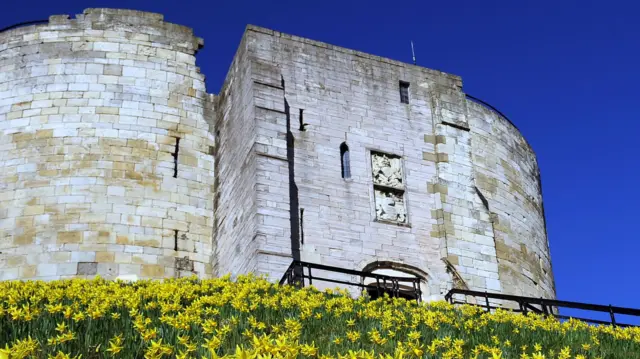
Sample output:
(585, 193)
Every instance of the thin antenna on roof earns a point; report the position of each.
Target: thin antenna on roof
(413, 53)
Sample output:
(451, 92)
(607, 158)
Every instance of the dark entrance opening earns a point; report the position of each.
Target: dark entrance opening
(376, 292)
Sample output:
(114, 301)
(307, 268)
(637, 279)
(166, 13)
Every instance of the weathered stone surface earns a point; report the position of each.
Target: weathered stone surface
(184, 264)
(108, 142)
(390, 206)
(438, 155)
(387, 170)
(90, 110)
(87, 268)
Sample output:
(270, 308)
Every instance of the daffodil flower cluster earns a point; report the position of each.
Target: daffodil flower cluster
(252, 318)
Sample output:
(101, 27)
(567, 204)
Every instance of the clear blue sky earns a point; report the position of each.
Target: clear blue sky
(565, 72)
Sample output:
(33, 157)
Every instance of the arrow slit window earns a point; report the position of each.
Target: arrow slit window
(344, 160)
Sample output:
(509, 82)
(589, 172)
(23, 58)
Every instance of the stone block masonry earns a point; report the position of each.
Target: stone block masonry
(116, 162)
(416, 200)
(91, 112)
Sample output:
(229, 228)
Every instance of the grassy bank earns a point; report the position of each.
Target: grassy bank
(251, 318)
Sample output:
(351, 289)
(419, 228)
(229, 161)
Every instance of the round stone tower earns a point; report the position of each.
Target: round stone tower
(104, 149)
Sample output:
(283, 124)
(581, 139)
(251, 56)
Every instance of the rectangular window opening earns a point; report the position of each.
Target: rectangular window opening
(175, 240)
(404, 92)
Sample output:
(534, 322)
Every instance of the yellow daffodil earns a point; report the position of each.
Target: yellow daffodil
(115, 345)
(252, 318)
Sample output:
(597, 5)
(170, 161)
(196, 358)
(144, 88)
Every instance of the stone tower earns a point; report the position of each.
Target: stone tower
(117, 162)
(104, 149)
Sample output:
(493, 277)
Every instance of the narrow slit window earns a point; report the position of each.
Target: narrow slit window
(301, 225)
(345, 161)
(404, 92)
(301, 119)
(175, 158)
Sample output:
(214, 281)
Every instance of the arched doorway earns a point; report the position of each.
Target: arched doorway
(394, 279)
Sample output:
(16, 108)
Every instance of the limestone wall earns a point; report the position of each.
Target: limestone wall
(507, 173)
(464, 226)
(418, 194)
(90, 112)
(235, 197)
(108, 142)
(344, 97)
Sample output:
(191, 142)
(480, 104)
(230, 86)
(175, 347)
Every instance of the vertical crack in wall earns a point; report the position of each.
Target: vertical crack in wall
(463, 227)
(546, 234)
(492, 219)
(294, 203)
(483, 199)
(212, 111)
(438, 213)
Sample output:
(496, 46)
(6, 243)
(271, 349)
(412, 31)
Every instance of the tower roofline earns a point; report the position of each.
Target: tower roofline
(357, 53)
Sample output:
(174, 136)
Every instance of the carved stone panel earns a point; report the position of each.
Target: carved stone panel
(388, 185)
(387, 170)
(390, 205)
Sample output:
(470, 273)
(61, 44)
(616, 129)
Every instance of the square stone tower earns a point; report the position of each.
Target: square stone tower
(341, 158)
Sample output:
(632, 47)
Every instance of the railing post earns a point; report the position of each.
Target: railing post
(395, 286)
(290, 276)
(298, 273)
(486, 298)
(310, 276)
(613, 315)
(544, 307)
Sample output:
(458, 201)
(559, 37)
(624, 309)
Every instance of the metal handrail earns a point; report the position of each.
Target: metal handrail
(486, 104)
(26, 23)
(295, 275)
(299, 272)
(546, 305)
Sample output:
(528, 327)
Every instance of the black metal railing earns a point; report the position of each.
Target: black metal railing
(26, 23)
(489, 106)
(299, 273)
(542, 306)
